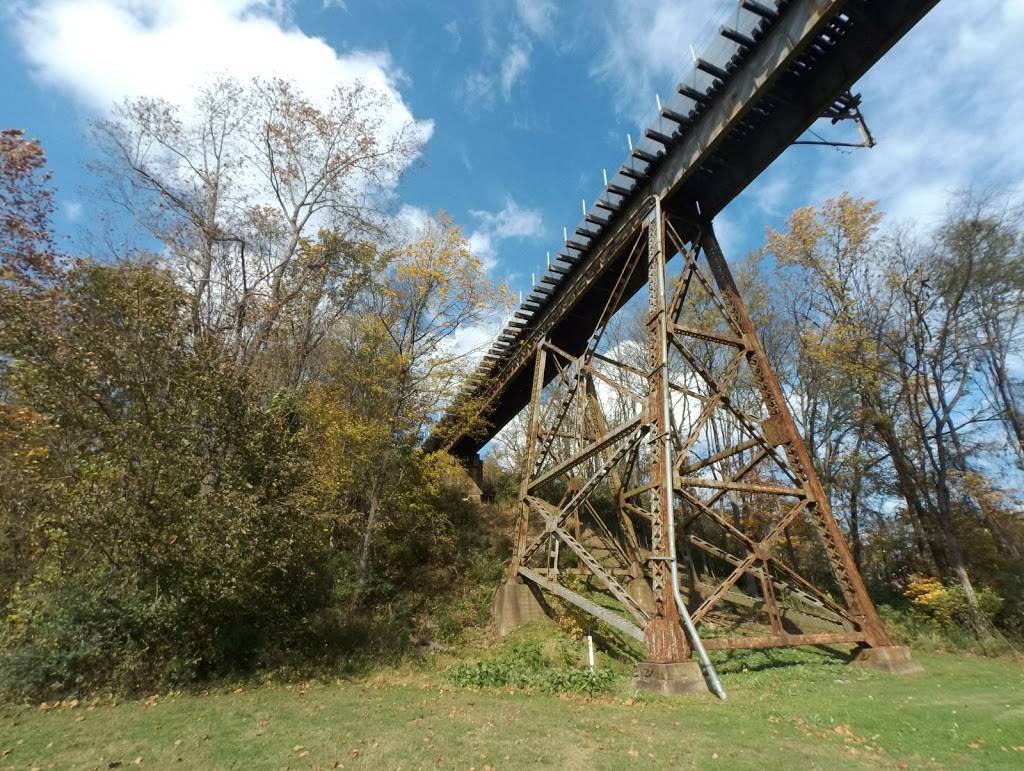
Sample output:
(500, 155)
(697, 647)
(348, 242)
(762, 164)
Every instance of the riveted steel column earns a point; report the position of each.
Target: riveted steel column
(664, 635)
(530, 459)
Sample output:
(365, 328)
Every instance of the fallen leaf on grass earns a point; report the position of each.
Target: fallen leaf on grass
(844, 730)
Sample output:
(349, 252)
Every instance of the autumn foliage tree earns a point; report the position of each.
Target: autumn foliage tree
(393, 369)
(893, 346)
(208, 452)
(27, 256)
(263, 201)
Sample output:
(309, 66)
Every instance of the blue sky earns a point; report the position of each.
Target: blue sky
(525, 100)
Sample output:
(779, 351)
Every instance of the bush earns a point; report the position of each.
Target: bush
(162, 534)
(945, 604)
(523, 664)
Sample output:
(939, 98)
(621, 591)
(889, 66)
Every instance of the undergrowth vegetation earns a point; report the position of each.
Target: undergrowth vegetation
(552, 663)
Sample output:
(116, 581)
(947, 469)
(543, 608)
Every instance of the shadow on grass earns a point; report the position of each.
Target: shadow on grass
(732, 662)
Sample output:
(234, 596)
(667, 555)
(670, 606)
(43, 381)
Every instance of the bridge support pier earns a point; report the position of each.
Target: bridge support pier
(679, 678)
(514, 605)
(893, 659)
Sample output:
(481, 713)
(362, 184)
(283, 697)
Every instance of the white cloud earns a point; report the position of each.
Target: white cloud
(509, 32)
(479, 89)
(473, 341)
(632, 57)
(481, 246)
(410, 221)
(102, 51)
(513, 67)
(452, 28)
(72, 210)
(537, 15)
(511, 221)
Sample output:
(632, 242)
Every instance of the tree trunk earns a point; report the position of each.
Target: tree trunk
(953, 549)
(927, 541)
(1011, 415)
(372, 514)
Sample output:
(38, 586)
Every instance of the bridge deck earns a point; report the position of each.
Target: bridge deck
(788, 68)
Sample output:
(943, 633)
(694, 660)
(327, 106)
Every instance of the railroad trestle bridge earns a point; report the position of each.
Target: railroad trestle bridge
(667, 490)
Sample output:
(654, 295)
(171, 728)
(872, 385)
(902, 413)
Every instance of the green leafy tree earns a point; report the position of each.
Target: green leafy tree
(163, 535)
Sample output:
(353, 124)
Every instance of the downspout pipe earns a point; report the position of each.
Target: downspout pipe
(710, 675)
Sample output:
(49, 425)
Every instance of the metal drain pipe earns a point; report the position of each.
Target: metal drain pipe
(691, 631)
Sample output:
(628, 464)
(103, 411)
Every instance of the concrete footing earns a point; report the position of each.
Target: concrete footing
(676, 679)
(515, 605)
(894, 659)
(642, 594)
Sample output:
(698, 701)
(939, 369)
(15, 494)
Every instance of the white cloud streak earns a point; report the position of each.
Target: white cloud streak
(103, 51)
(512, 221)
(537, 15)
(513, 67)
(644, 47)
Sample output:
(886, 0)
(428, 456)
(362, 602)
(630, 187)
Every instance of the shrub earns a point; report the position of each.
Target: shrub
(945, 604)
(162, 535)
(523, 664)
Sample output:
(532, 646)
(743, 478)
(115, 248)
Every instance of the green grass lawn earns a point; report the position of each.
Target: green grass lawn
(785, 710)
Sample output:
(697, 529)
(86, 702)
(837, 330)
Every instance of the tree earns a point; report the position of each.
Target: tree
(28, 263)
(395, 366)
(980, 236)
(27, 255)
(893, 343)
(165, 539)
(241, 187)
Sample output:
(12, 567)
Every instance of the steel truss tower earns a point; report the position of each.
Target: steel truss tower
(682, 416)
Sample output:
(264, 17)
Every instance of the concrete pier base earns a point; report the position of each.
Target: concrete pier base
(642, 594)
(515, 605)
(676, 679)
(894, 659)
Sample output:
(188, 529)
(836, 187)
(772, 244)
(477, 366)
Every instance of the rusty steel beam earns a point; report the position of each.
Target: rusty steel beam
(840, 559)
(643, 444)
(613, 435)
(783, 641)
(744, 487)
(601, 614)
(731, 432)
